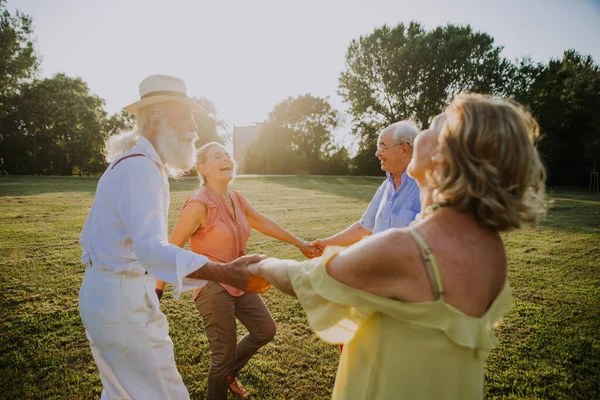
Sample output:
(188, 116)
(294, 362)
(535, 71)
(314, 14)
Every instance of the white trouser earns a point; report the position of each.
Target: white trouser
(129, 337)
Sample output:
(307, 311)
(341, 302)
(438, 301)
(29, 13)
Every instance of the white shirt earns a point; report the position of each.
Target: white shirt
(126, 229)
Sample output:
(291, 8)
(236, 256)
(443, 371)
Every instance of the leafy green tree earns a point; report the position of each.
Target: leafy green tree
(18, 64)
(18, 61)
(296, 138)
(119, 122)
(208, 123)
(405, 72)
(61, 126)
(564, 96)
(337, 162)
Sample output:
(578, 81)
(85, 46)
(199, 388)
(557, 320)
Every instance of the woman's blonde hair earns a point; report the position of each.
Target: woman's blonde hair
(201, 155)
(487, 164)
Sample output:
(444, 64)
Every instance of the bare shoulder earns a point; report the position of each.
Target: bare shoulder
(195, 211)
(378, 263)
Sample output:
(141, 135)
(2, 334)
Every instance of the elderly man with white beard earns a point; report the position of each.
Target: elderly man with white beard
(125, 246)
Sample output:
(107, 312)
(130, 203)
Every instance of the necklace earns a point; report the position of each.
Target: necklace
(227, 199)
(428, 211)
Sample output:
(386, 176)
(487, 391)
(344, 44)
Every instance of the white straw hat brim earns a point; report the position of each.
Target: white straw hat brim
(134, 108)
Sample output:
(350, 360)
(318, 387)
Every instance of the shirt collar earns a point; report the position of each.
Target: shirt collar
(150, 151)
(390, 178)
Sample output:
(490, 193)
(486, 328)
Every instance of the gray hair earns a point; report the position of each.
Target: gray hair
(117, 144)
(404, 132)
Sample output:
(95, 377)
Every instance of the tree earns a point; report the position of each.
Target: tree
(564, 96)
(119, 122)
(297, 137)
(61, 127)
(18, 64)
(18, 61)
(208, 123)
(337, 162)
(406, 72)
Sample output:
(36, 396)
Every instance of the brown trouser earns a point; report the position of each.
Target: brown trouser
(219, 310)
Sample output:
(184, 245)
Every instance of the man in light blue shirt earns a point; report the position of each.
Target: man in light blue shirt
(396, 202)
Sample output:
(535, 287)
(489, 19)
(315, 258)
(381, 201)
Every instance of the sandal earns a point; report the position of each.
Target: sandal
(236, 388)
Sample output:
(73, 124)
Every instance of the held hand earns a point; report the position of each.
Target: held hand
(253, 284)
(319, 244)
(276, 272)
(312, 251)
(236, 274)
(308, 250)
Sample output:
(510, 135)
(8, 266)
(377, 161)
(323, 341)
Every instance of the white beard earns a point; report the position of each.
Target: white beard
(178, 153)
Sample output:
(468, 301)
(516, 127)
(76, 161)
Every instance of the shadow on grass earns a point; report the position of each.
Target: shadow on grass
(36, 185)
(574, 211)
(357, 187)
(361, 188)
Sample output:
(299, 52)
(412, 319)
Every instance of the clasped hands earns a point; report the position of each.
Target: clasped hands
(260, 272)
(312, 249)
(275, 270)
(254, 273)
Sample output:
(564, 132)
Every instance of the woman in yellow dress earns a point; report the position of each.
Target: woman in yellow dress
(415, 307)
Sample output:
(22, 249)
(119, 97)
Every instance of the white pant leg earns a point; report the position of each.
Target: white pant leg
(111, 388)
(129, 338)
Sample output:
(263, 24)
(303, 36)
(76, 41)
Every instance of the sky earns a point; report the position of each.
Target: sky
(246, 56)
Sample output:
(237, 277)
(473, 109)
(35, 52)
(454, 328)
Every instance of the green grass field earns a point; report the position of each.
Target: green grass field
(549, 344)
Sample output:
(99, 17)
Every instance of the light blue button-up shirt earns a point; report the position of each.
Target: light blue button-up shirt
(392, 208)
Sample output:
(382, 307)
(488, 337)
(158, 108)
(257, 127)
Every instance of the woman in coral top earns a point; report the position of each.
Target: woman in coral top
(217, 220)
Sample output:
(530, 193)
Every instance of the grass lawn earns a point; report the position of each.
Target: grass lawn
(549, 344)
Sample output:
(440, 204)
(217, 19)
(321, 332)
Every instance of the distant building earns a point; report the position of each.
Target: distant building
(243, 136)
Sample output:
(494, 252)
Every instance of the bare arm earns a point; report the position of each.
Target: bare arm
(348, 236)
(374, 265)
(380, 265)
(235, 273)
(269, 227)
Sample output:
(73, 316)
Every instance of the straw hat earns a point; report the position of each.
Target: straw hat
(158, 89)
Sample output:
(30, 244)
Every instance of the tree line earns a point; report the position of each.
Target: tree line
(56, 126)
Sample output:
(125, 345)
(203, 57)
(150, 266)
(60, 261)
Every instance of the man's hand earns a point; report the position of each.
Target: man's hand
(235, 274)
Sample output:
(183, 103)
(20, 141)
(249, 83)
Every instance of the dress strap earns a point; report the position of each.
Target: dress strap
(431, 266)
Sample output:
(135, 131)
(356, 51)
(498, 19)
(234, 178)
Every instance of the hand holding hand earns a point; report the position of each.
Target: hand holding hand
(236, 274)
(276, 272)
(319, 244)
(313, 251)
(308, 250)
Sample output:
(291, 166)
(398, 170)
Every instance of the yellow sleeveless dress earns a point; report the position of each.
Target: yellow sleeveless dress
(398, 350)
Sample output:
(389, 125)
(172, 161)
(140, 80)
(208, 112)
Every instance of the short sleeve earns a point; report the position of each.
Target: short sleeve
(211, 208)
(367, 220)
(334, 311)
